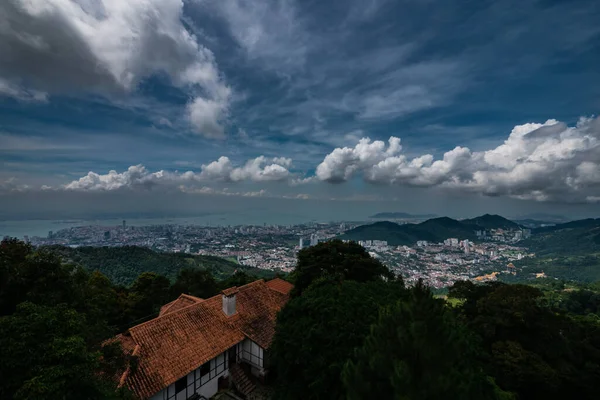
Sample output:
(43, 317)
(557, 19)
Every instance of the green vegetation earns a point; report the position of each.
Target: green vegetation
(55, 316)
(345, 339)
(418, 349)
(433, 230)
(318, 331)
(569, 239)
(569, 251)
(532, 347)
(351, 332)
(338, 261)
(124, 264)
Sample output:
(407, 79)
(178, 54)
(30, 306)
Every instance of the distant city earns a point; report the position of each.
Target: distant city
(275, 247)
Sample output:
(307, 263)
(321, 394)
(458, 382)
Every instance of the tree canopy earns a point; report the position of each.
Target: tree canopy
(336, 260)
(418, 350)
(530, 348)
(317, 332)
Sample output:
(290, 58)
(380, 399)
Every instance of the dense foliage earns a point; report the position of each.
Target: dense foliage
(336, 260)
(318, 331)
(55, 317)
(122, 265)
(531, 347)
(417, 349)
(341, 338)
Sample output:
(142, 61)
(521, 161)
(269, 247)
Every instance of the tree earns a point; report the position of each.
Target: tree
(530, 349)
(239, 278)
(317, 332)
(338, 260)
(417, 350)
(195, 282)
(45, 356)
(147, 294)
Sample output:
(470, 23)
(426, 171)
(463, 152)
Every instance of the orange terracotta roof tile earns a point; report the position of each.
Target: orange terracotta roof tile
(181, 340)
(230, 291)
(182, 301)
(280, 285)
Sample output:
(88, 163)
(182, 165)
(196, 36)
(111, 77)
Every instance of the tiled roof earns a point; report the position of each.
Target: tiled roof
(280, 285)
(182, 301)
(230, 291)
(183, 337)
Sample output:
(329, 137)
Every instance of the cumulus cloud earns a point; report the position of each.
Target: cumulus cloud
(107, 46)
(542, 162)
(257, 170)
(138, 177)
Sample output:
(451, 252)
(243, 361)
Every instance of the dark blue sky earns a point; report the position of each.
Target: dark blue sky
(94, 86)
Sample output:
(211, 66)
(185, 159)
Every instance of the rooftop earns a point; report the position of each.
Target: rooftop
(190, 331)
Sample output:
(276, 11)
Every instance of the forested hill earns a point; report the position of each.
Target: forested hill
(575, 237)
(569, 251)
(124, 264)
(434, 230)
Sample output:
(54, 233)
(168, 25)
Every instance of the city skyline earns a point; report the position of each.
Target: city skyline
(303, 110)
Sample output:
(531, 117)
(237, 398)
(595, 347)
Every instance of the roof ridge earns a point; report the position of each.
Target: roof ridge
(165, 309)
(253, 283)
(166, 315)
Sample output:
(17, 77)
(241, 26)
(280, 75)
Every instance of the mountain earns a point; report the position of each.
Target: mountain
(124, 264)
(575, 237)
(432, 230)
(533, 223)
(489, 221)
(569, 251)
(401, 215)
(552, 218)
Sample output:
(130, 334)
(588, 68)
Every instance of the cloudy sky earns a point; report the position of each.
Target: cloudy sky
(379, 105)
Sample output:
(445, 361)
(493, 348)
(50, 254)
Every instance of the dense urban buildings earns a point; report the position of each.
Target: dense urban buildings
(274, 247)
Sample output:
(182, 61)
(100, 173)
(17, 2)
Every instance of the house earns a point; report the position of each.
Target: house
(196, 345)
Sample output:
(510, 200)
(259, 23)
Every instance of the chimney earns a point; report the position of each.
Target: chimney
(229, 300)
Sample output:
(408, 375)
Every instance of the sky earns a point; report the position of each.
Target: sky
(324, 109)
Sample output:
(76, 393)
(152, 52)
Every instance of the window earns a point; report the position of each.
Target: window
(205, 368)
(181, 384)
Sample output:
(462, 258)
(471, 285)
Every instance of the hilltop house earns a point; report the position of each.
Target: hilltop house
(195, 346)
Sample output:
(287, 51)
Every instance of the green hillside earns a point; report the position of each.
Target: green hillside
(489, 221)
(571, 238)
(123, 264)
(433, 230)
(569, 251)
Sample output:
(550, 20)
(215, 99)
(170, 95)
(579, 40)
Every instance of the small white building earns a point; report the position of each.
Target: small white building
(196, 346)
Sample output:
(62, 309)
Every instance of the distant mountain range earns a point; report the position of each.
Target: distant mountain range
(433, 230)
(575, 237)
(401, 215)
(569, 251)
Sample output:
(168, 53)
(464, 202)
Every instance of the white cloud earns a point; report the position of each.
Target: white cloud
(257, 170)
(107, 46)
(138, 177)
(29, 95)
(542, 162)
(269, 31)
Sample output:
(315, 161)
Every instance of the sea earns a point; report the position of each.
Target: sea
(41, 228)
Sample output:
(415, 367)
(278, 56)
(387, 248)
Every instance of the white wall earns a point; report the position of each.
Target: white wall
(206, 385)
(253, 354)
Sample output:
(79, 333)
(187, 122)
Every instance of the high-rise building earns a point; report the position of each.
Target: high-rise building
(49, 234)
(301, 244)
(466, 246)
(314, 240)
(124, 224)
